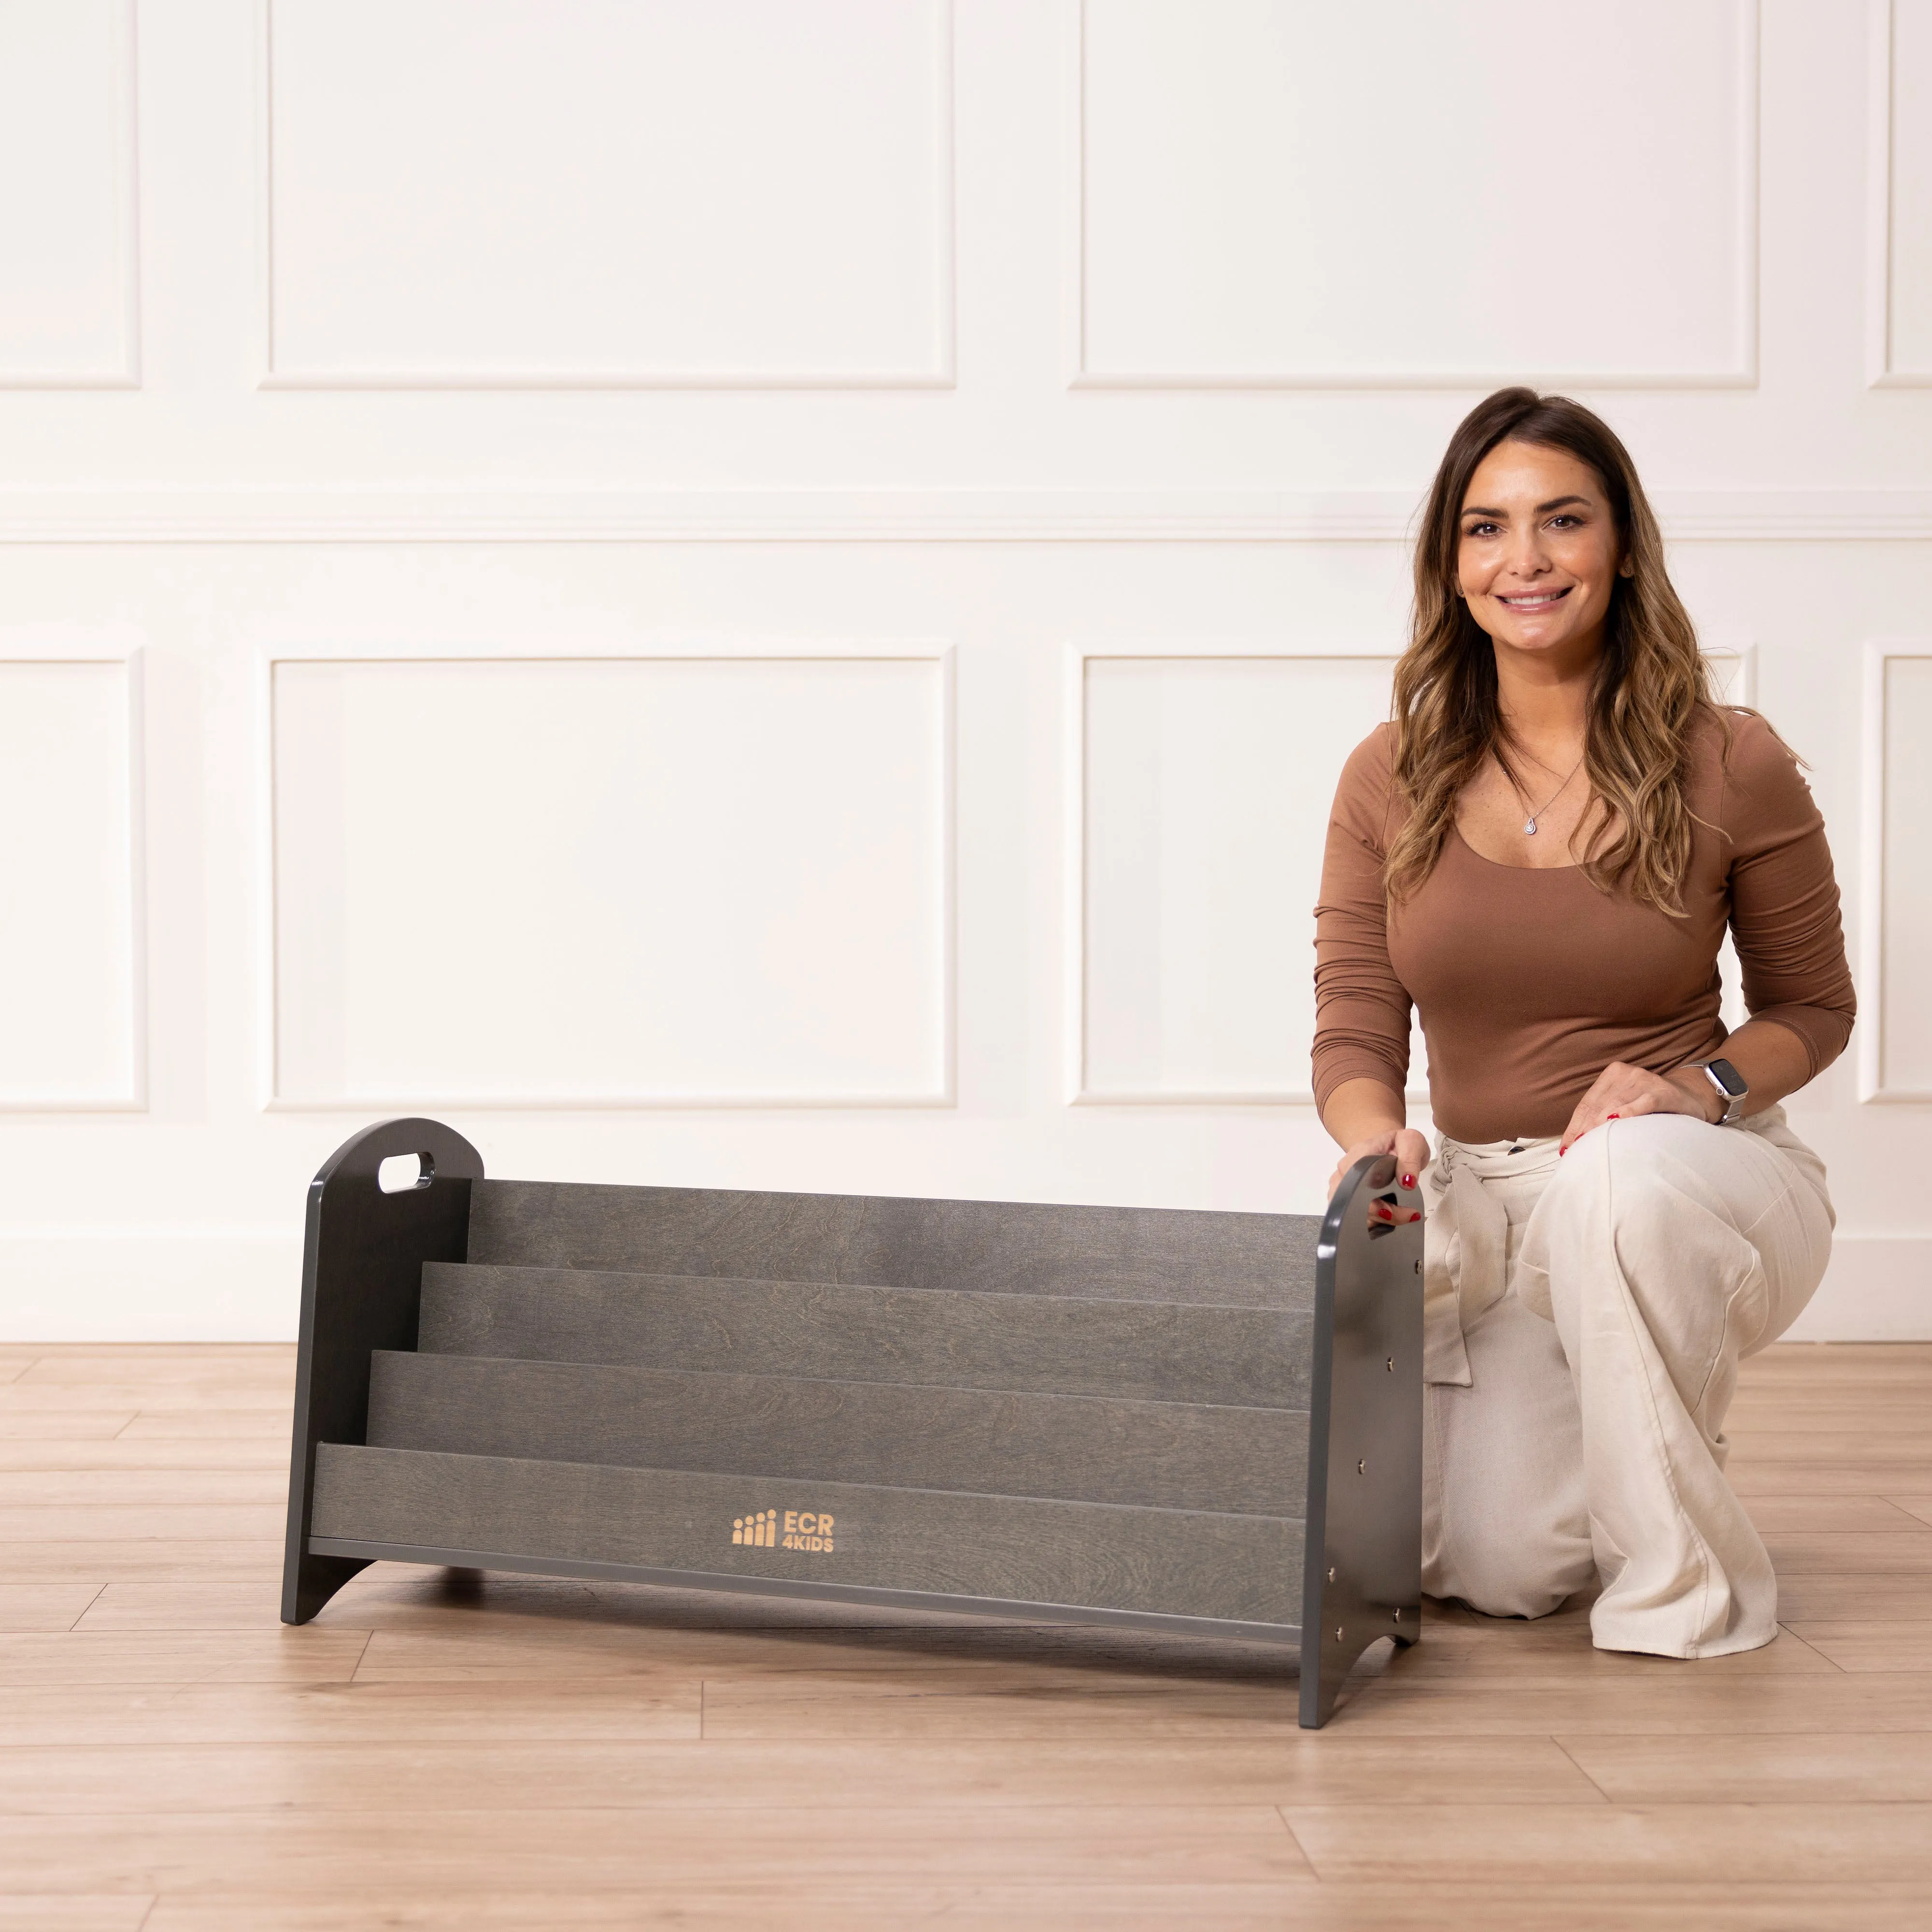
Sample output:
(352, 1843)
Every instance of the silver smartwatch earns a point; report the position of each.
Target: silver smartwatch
(1731, 1089)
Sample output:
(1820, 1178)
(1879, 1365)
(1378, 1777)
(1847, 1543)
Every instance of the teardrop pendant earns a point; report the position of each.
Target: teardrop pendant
(1529, 828)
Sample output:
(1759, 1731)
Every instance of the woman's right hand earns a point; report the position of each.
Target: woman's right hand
(1410, 1148)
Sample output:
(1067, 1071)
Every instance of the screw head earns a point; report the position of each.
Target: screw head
(1331, 1572)
(1398, 1616)
(1418, 1267)
(1391, 1365)
(1362, 1467)
(1338, 1632)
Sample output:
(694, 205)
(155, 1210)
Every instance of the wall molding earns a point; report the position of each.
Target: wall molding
(1881, 28)
(355, 514)
(942, 374)
(1077, 1090)
(270, 1098)
(1745, 293)
(25, 647)
(127, 374)
(1870, 1033)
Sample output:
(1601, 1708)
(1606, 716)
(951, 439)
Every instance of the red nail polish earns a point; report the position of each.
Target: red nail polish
(1616, 1117)
(1560, 1152)
(1408, 1180)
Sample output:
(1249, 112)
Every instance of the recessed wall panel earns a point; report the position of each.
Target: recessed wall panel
(67, 196)
(1287, 191)
(615, 882)
(1208, 786)
(69, 972)
(1907, 237)
(584, 191)
(1904, 1022)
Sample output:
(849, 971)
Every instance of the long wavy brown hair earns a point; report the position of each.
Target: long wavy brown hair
(1650, 685)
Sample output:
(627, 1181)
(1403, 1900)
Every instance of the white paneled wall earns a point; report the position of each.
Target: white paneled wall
(772, 594)
(1197, 871)
(1896, 1047)
(1901, 294)
(1246, 221)
(68, 301)
(70, 975)
(611, 882)
(469, 192)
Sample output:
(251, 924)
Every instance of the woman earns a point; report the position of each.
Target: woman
(1542, 852)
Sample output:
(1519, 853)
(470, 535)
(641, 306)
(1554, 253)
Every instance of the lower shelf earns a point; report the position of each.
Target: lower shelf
(1287, 1636)
(934, 1548)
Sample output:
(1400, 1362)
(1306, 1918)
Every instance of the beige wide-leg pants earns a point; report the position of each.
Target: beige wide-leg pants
(1584, 1321)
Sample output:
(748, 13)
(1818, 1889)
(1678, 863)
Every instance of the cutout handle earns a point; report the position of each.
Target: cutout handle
(402, 1172)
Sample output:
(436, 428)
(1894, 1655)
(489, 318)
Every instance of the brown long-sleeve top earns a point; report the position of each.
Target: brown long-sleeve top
(1530, 983)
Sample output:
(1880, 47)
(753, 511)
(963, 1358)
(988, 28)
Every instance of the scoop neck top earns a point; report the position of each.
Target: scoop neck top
(1525, 997)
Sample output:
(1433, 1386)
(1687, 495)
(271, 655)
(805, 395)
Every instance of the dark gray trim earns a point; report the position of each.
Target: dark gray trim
(363, 1252)
(1288, 1635)
(1362, 1561)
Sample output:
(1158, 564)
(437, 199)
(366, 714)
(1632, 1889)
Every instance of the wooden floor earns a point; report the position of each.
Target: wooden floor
(447, 1750)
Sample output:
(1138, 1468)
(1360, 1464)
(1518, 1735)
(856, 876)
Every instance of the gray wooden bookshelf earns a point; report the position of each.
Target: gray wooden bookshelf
(1199, 1422)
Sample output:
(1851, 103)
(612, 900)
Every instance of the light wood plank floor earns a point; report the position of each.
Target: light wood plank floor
(441, 1749)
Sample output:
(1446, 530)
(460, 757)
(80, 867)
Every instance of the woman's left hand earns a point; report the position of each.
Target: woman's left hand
(1621, 1090)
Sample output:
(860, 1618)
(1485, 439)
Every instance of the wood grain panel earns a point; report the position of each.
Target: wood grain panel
(33, 1425)
(98, 1523)
(71, 1912)
(513, 1752)
(1444, 1844)
(1024, 1549)
(1104, 1905)
(296, 1715)
(1679, 1697)
(484, 1774)
(1045, 1344)
(1826, 1515)
(1745, 1770)
(1162, 1455)
(51, 1453)
(1246, 1261)
(1814, 1553)
(1869, 1646)
(44, 1607)
(109, 1488)
(259, 1656)
(594, 1848)
(155, 1560)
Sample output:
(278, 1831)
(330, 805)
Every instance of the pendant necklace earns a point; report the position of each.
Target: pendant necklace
(1529, 823)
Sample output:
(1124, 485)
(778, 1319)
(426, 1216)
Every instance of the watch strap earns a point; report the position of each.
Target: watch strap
(1733, 1103)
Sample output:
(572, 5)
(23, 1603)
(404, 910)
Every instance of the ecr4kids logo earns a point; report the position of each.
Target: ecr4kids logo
(792, 1529)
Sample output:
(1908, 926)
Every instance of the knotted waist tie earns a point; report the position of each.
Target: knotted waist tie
(1465, 1266)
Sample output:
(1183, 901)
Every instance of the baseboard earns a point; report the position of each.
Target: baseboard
(209, 1285)
(1878, 1288)
(150, 1284)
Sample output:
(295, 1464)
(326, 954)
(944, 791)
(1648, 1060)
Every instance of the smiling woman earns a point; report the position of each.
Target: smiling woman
(1541, 853)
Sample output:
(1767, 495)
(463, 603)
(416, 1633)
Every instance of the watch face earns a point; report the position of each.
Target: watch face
(1728, 1078)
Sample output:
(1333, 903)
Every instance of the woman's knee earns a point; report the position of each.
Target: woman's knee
(1640, 1171)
